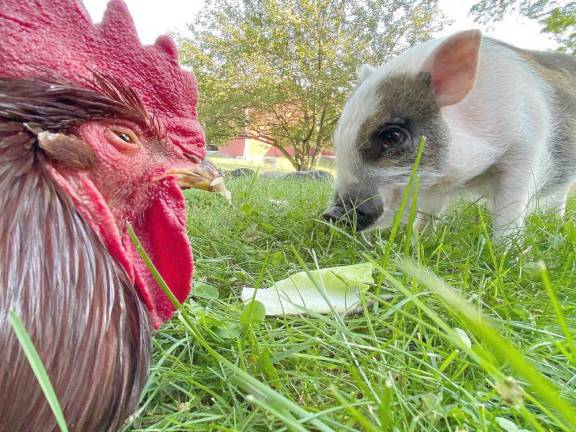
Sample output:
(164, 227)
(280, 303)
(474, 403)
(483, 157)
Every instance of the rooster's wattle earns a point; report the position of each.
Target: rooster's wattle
(96, 131)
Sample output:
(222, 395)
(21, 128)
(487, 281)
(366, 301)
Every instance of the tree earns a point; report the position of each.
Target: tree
(557, 17)
(281, 70)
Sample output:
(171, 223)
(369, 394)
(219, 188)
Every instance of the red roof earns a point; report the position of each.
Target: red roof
(234, 148)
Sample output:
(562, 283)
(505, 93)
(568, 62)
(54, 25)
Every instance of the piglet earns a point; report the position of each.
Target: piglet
(498, 120)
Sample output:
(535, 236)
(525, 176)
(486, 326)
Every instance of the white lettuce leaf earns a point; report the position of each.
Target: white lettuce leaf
(322, 291)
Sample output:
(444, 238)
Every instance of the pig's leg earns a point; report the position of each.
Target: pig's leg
(556, 202)
(428, 210)
(511, 195)
(560, 203)
(422, 220)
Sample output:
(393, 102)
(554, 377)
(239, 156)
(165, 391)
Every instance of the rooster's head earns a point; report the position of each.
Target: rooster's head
(116, 129)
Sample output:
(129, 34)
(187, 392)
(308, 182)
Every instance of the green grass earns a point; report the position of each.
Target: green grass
(480, 341)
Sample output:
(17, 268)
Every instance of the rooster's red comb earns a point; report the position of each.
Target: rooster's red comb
(43, 37)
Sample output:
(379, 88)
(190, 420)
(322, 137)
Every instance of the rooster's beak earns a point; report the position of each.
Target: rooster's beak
(203, 176)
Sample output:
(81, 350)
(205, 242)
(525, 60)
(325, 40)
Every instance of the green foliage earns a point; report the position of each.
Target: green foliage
(481, 341)
(205, 291)
(254, 312)
(556, 16)
(281, 70)
(562, 23)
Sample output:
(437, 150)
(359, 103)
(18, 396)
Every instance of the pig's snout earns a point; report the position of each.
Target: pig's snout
(354, 212)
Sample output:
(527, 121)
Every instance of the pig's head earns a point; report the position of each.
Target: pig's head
(378, 135)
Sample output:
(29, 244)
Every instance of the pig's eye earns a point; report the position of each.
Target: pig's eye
(390, 136)
(390, 140)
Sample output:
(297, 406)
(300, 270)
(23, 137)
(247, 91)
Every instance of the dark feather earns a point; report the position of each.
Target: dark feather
(57, 107)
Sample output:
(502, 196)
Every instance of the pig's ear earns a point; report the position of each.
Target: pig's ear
(364, 71)
(452, 67)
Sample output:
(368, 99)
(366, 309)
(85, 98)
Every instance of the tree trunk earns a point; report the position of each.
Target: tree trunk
(319, 145)
(316, 156)
(305, 162)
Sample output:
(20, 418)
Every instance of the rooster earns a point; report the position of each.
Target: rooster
(96, 132)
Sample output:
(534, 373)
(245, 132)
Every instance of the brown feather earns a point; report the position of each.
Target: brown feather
(66, 150)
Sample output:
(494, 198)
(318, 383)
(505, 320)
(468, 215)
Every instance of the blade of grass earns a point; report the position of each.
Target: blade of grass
(38, 368)
(558, 310)
(354, 413)
(150, 265)
(411, 233)
(283, 415)
(403, 203)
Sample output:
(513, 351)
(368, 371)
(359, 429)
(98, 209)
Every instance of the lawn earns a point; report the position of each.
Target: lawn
(415, 359)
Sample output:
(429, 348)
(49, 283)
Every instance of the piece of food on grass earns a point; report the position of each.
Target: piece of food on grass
(335, 289)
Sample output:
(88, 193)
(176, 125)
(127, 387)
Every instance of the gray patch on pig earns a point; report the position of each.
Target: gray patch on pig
(559, 71)
(550, 60)
(563, 145)
(406, 100)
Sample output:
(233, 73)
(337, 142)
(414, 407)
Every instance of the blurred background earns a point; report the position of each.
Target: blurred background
(274, 75)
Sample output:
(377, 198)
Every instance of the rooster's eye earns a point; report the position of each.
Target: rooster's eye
(124, 139)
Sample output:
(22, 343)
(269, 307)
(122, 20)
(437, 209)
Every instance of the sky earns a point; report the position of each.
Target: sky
(157, 17)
